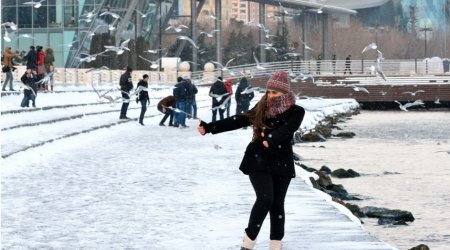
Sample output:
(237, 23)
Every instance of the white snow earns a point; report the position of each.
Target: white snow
(125, 186)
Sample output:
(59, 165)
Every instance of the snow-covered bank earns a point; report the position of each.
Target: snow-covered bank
(151, 187)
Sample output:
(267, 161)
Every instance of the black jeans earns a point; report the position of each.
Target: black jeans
(143, 110)
(125, 103)
(270, 193)
(168, 113)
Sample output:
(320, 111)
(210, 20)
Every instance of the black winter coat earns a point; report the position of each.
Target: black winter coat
(218, 88)
(243, 99)
(181, 91)
(30, 82)
(126, 82)
(278, 158)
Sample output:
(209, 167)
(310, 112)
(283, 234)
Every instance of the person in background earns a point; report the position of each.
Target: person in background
(243, 99)
(218, 92)
(190, 96)
(180, 92)
(194, 90)
(318, 63)
(348, 63)
(40, 67)
(268, 159)
(126, 85)
(333, 62)
(143, 97)
(8, 68)
(166, 106)
(49, 67)
(229, 90)
(31, 58)
(30, 90)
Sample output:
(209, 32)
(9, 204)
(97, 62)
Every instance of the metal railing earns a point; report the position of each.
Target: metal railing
(362, 69)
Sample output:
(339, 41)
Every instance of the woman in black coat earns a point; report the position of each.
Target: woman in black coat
(268, 159)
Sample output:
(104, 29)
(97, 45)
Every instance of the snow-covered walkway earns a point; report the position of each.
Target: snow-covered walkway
(152, 187)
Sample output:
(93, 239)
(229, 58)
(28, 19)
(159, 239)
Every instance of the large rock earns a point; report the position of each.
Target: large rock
(345, 134)
(388, 216)
(342, 173)
(420, 247)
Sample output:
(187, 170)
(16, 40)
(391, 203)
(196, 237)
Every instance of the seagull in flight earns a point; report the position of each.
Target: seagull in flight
(114, 15)
(210, 34)
(118, 49)
(177, 29)
(224, 103)
(409, 104)
(359, 88)
(189, 40)
(306, 45)
(303, 77)
(12, 25)
(221, 66)
(6, 37)
(97, 69)
(258, 65)
(153, 64)
(249, 90)
(36, 5)
(154, 51)
(413, 93)
(370, 46)
(285, 12)
(143, 15)
(378, 65)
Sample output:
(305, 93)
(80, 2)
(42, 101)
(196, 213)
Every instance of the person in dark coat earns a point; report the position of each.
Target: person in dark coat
(219, 94)
(126, 85)
(143, 97)
(30, 90)
(31, 58)
(180, 92)
(243, 99)
(268, 159)
(166, 106)
(348, 63)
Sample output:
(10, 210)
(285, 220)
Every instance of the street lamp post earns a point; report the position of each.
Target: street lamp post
(425, 30)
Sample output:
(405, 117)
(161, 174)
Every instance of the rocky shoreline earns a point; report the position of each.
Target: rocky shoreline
(321, 178)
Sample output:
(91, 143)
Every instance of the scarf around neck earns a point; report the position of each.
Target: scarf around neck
(279, 104)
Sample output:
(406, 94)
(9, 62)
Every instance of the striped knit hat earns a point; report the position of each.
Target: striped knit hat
(279, 81)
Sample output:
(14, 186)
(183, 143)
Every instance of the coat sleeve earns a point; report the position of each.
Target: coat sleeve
(285, 131)
(228, 124)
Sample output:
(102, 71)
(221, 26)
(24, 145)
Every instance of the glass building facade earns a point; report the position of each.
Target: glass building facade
(67, 27)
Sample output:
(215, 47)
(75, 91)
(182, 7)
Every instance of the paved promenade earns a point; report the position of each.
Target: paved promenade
(152, 187)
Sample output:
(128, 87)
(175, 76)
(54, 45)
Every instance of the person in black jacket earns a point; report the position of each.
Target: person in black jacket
(219, 94)
(268, 159)
(30, 90)
(143, 97)
(126, 85)
(180, 92)
(243, 99)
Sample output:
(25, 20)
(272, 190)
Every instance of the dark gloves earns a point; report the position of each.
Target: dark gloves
(137, 99)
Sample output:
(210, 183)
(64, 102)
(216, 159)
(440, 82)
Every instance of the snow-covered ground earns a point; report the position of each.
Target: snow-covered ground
(77, 177)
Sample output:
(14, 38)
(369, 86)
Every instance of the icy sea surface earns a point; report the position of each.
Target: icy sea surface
(404, 160)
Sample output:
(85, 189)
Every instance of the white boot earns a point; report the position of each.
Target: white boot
(247, 243)
(275, 245)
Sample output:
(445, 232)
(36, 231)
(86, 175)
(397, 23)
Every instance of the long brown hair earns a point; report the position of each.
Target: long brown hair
(258, 116)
